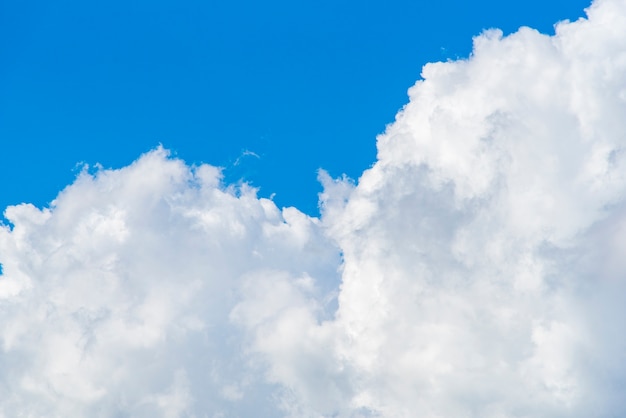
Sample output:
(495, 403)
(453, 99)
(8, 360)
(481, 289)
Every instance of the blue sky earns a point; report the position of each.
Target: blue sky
(475, 269)
(302, 85)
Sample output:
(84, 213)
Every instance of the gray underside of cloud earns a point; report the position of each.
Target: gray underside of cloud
(478, 269)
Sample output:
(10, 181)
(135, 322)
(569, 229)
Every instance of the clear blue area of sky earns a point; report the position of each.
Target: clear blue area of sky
(301, 84)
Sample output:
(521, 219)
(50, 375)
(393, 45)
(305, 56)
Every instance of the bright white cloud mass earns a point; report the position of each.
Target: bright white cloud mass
(478, 269)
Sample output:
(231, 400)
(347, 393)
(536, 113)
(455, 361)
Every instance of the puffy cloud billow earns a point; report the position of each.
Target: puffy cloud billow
(478, 269)
(116, 300)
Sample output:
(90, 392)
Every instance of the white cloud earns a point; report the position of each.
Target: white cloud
(482, 271)
(116, 300)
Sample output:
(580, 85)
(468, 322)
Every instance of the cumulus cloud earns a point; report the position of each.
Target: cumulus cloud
(476, 270)
(116, 300)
